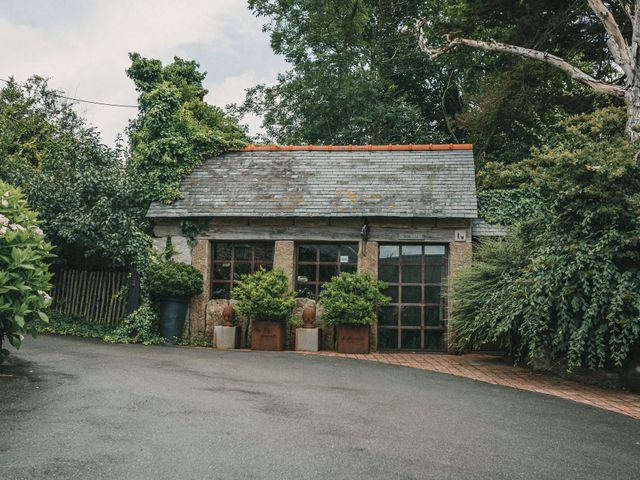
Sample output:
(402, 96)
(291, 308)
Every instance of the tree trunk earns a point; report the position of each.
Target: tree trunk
(632, 99)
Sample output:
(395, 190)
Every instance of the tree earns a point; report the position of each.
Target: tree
(175, 129)
(87, 202)
(623, 44)
(356, 76)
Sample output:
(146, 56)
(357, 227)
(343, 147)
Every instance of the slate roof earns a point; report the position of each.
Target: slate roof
(384, 181)
(481, 228)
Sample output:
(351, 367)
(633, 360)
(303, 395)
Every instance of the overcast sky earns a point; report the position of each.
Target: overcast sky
(83, 45)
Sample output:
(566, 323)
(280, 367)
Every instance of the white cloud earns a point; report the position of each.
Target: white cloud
(83, 48)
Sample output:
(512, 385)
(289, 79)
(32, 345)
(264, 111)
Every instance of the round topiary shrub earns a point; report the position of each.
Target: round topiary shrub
(174, 279)
(24, 273)
(264, 296)
(351, 299)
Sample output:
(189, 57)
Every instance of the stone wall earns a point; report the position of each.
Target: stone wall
(368, 263)
(284, 259)
(201, 259)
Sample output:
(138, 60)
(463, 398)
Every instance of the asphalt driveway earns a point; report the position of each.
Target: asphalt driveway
(81, 409)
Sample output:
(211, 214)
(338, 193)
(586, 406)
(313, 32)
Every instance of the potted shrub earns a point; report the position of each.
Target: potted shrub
(349, 301)
(266, 300)
(172, 284)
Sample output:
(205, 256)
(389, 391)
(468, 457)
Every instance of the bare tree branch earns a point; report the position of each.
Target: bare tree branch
(616, 42)
(545, 57)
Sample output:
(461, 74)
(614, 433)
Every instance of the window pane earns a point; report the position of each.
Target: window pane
(222, 251)
(220, 290)
(222, 271)
(389, 253)
(327, 272)
(241, 269)
(411, 274)
(345, 267)
(388, 338)
(242, 252)
(411, 294)
(264, 252)
(433, 340)
(434, 250)
(412, 254)
(388, 315)
(306, 273)
(432, 317)
(410, 339)
(411, 316)
(388, 273)
(393, 293)
(349, 251)
(433, 273)
(306, 291)
(329, 253)
(432, 294)
(307, 253)
(266, 266)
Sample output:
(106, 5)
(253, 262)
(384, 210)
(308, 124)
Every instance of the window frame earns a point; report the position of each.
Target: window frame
(316, 282)
(252, 263)
(423, 284)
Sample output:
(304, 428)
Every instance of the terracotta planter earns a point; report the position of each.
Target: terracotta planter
(267, 336)
(353, 338)
(309, 317)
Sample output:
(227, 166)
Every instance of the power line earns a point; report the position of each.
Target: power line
(79, 100)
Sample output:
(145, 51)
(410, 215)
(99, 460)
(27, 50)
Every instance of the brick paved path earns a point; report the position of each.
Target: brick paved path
(491, 369)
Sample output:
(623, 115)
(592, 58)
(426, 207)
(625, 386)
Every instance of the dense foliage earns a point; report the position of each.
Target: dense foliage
(62, 324)
(140, 326)
(357, 75)
(566, 284)
(351, 299)
(175, 129)
(173, 279)
(88, 205)
(24, 272)
(264, 296)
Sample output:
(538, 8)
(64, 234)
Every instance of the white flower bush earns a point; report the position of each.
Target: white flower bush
(24, 273)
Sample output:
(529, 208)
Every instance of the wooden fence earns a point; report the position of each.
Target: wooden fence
(98, 296)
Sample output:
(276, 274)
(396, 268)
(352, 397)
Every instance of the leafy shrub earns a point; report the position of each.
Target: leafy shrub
(264, 296)
(140, 326)
(24, 274)
(351, 298)
(173, 279)
(573, 292)
(490, 280)
(62, 324)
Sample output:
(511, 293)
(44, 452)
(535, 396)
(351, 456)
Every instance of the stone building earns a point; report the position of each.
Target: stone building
(401, 213)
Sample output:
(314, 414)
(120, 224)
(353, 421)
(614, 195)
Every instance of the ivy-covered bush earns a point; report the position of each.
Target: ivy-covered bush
(566, 284)
(24, 273)
(173, 279)
(140, 326)
(351, 298)
(264, 296)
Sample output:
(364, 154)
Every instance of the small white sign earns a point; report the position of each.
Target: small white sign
(344, 259)
(461, 235)
(411, 236)
(302, 279)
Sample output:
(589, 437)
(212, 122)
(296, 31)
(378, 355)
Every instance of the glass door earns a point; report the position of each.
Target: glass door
(416, 317)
